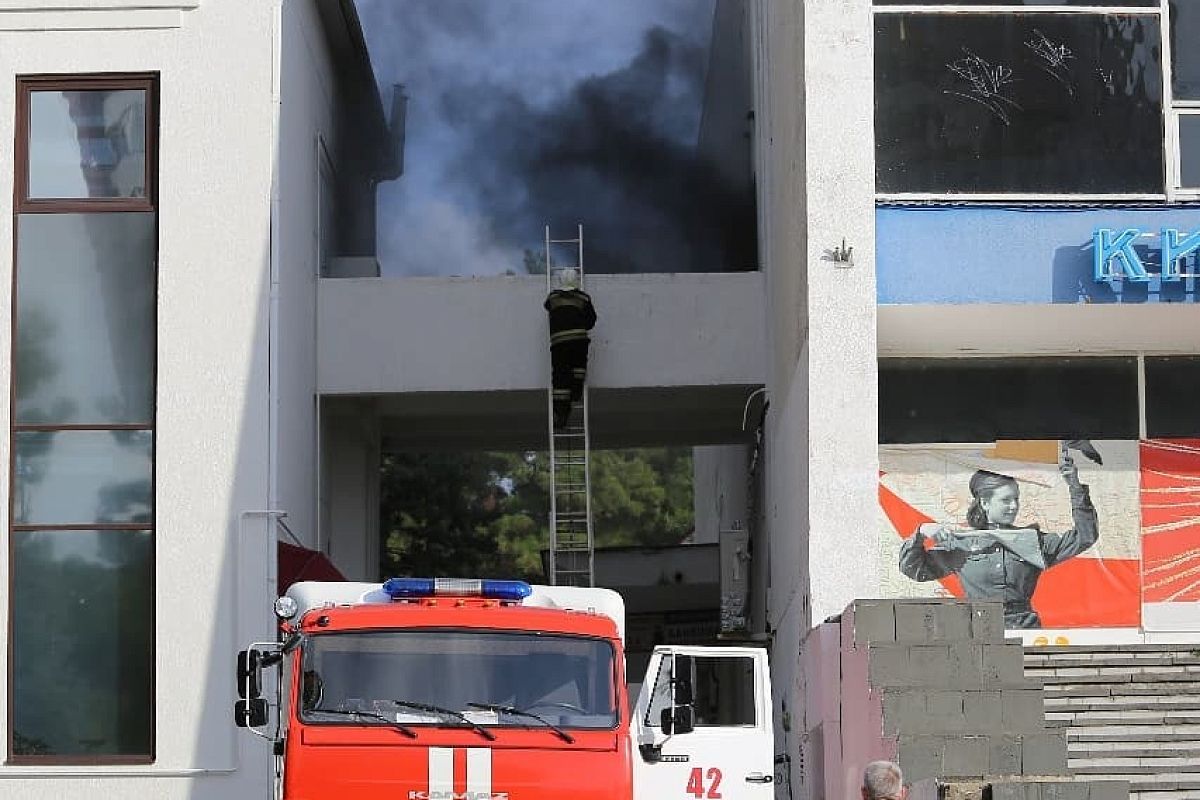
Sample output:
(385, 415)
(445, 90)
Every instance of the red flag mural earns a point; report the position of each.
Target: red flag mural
(1171, 520)
(1051, 528)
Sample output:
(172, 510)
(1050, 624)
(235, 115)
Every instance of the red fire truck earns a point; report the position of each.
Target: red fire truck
(439, 689)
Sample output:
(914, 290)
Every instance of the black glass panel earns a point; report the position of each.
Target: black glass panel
(82, 477)
(82, 647)
(1172, 385)
(1189, 151)
(1185, 49)
(86, 144)
(1114, 3)
(85, 318)
(1018, 103)
(983, 400)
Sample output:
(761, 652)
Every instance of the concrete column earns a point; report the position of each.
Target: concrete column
(720, 481)
(350, 451)
(814, 158)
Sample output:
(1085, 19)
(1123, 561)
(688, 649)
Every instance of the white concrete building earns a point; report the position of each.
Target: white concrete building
(206, 361)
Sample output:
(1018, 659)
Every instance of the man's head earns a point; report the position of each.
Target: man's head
(883, 780)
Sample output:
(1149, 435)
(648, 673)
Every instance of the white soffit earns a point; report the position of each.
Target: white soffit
(83, 15)
(1033, 329)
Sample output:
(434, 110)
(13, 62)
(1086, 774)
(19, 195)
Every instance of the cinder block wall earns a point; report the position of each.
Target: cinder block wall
(934, 685)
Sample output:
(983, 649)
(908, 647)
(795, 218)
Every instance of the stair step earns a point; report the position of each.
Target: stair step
(1091, 675)
(1106, 765)
(1147, 690)
(1121, 703)
(1135, 733)
(1134, 749)
(1116, 660)
(1131, 717)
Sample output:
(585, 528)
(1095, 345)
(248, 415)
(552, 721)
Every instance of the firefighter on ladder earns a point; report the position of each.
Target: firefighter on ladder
(571, 317)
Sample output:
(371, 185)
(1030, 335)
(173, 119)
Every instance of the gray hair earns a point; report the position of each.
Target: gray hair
(883, 780)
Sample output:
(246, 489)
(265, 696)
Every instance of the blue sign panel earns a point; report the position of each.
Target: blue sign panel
(965, 255)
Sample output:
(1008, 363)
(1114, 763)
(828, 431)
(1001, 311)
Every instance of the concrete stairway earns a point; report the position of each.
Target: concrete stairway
(1130, 712)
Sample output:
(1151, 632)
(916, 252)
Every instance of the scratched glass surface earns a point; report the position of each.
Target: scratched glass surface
(1185, 54)
(1019, 103)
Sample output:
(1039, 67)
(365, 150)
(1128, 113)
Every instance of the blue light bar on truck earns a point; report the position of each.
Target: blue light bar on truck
(406, 588)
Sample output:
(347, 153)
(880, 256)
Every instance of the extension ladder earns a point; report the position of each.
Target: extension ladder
(572, 545)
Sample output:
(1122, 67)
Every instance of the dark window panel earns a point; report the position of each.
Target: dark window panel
(1114, 3)
(85, 318)
(983, 400)
(82, 477)
(1018, 103)
(1185, 49)
(87, 144)
(83, 653)
(1172, 384)
(1189, 151)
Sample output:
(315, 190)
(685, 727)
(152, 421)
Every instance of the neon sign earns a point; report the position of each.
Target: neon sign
(1115, 257)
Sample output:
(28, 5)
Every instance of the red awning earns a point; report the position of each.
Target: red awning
(301, 564)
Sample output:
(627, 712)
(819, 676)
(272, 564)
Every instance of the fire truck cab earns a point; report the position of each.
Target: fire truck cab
(436, 689)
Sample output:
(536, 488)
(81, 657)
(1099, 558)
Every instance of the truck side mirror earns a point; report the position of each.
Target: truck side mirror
(677, 720)
(250, 713)
(249, 674)
(681, 683)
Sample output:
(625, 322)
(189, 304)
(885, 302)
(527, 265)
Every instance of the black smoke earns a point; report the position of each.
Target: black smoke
(617, 154)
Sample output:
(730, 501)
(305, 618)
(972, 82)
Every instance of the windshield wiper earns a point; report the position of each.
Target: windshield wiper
(482, 731)
(520, 712)
(407, 731)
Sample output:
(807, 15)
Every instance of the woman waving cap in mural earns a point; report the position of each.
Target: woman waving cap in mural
(994, 559)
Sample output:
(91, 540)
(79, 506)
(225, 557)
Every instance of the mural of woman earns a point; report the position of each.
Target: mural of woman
(994, 559)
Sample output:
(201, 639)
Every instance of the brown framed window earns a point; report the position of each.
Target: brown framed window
(81, 518)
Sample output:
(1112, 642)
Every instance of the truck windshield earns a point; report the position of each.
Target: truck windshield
(566, 680)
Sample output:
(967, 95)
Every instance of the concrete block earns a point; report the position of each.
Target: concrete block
(944, 711)
(965, 664)
(933, 622)
(874, 621)
(1023, 710)
(921, 756)
(1005, 755)
(1044, 754)
(1002, 662)
(930, 663)
(987, 622)
(888, 665)
(1011, 791)
(1108, 790)
(983, 711)
(1063, 791)
(904, 710)
(966, 756)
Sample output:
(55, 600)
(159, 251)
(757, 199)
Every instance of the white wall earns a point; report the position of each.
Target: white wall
(212, 414)
(306, 117)
(418, 334)
(350, 487)
(815, 161)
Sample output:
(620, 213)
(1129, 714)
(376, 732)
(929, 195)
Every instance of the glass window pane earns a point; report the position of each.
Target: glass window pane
(1018, 103)
(1126, 3)
(82, 642)
(85, 318)
(723, 689)
(1172, 385)
(1185, 54)
(81, 477)
(986, 399)
(1189, 151)
(86, 144)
